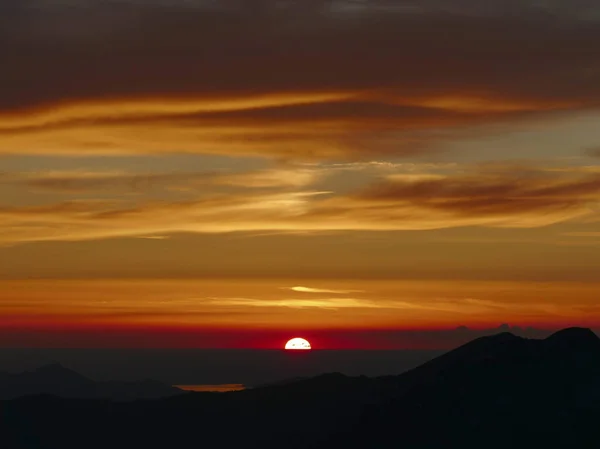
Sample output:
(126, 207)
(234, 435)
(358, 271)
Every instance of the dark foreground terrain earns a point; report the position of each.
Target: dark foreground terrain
(495, 392)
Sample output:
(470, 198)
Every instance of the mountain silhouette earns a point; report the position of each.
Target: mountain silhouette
(527, 393)
(501, 391)
(505, 354)
(575, 339)
(57, 380)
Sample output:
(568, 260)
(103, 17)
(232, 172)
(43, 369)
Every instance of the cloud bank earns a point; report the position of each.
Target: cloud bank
(307, 80)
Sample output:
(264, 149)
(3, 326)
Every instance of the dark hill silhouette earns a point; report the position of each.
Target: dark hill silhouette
(519, 390)
(573, 339)
(58, 380)
(506, 353)
(501, 391)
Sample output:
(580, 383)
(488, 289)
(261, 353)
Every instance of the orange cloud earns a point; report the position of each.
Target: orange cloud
(491, 197)
(81, 181)
(301, 289)
(300, 126)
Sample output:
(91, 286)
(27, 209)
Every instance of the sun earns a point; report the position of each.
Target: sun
(298, 344)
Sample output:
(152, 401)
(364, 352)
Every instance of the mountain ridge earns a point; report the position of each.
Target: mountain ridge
(494, 392)
(57, 380)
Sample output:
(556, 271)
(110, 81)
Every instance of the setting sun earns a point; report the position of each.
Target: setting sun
(298, 344)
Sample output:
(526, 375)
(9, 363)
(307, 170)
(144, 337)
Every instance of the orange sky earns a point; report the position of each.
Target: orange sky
(414, 167)
(264, 313)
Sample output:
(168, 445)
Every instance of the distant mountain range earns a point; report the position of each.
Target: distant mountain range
(495, 392)
(56, 380)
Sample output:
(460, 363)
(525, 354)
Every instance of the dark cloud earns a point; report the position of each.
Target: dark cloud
(505, 194)
(593, 152)
(54, 53)
(393, 67)
(363, 110)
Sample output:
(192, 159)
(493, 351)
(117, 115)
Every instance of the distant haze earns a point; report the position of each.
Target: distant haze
(210, 367)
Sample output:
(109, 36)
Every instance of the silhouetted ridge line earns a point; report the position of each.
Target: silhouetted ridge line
(496, 392)
(56, 371)
(57, 380)
(575, 338)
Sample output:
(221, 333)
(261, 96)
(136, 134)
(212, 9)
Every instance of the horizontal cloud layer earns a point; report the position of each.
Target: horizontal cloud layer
(318, 80)
(82, 181)
(391, 311)
(493, 196)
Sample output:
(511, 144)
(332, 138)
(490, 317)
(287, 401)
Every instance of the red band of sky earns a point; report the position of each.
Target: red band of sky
(71, 335)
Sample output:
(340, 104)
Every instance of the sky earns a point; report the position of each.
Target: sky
(372, 174)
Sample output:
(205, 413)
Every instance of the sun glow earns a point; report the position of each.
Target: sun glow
(296, 344)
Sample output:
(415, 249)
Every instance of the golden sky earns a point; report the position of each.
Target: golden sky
(177, 167)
